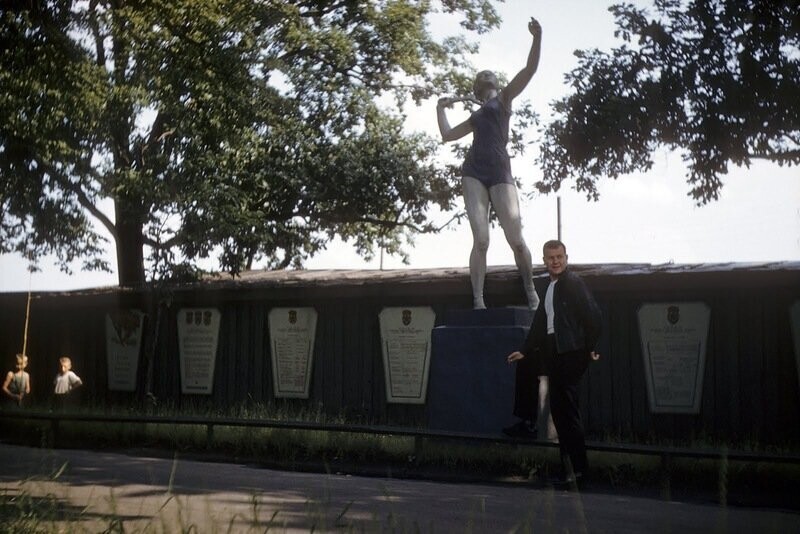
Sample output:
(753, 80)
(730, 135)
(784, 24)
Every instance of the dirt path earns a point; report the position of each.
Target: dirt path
(88, 489)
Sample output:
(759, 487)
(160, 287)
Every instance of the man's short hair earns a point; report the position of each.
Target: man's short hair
(554, 243)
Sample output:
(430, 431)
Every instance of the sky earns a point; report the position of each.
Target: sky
(639, 218)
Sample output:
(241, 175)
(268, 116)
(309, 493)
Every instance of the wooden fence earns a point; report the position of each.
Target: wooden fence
(750, 388)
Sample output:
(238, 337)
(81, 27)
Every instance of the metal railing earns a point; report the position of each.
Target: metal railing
(666, 453)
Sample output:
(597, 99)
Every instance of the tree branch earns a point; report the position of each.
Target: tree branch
(377, 222)
(76, 189)
(100, 50)
(160, 245)
(456, 217)
(157, 134)
(319, 8)
(789, 156)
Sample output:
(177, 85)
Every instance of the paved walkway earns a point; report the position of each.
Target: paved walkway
(89, 489)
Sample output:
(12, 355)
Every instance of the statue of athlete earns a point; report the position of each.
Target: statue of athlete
(486, 172)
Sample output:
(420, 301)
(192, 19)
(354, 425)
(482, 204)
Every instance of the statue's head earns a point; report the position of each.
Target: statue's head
(485, 81)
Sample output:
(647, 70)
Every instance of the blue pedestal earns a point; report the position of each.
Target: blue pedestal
(470, 385)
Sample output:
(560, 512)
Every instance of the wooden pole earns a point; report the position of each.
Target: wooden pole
(27, 318)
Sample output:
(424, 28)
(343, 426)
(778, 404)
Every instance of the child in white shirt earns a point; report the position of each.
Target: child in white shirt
(66, 380)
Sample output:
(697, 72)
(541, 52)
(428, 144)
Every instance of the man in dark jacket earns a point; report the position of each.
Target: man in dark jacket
(562, 341)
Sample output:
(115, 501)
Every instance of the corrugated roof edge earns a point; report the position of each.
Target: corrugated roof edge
(334, 277)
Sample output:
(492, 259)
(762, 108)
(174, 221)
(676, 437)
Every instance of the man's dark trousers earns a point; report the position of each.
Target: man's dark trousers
(566, 371)
(526, 390)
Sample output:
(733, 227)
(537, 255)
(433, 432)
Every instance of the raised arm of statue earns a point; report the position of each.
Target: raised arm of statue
(523, 77)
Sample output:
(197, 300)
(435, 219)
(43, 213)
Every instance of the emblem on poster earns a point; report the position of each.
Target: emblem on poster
(406, 345)
(673, 338)
(292, 332)
(198, 335)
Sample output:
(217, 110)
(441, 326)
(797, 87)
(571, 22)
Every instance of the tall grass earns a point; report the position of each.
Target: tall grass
(398, 455)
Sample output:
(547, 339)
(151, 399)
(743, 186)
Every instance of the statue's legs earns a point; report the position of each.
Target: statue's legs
(506, 205)
(476, 202)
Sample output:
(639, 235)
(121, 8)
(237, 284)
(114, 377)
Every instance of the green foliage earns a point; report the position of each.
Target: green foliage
(242, 129)
(717, 81)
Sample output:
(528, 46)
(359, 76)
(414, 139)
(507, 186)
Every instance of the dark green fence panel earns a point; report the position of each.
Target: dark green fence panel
(750, 389)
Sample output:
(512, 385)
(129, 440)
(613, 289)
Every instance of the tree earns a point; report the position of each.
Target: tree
(717, 80)
(243, 128)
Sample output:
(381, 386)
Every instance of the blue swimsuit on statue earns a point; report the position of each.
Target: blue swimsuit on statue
(487, 159)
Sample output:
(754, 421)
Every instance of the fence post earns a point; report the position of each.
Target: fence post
(209, 435)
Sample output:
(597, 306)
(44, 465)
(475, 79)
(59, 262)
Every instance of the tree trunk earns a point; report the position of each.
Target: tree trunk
(130, 243)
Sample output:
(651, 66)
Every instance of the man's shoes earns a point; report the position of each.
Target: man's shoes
(523, 429)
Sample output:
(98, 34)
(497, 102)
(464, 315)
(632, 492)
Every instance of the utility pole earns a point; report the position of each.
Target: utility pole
(558, 216)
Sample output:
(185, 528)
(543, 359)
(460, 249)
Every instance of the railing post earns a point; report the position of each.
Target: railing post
(53, 432)
(666, 474)
(419, 445)
(722, 484)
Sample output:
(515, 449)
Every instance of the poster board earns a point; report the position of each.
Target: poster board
(292, 332)
(198, 336)
(406, 347)
(123, 347)
(673, 338)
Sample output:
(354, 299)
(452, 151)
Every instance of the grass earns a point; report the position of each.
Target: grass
(723, 482)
